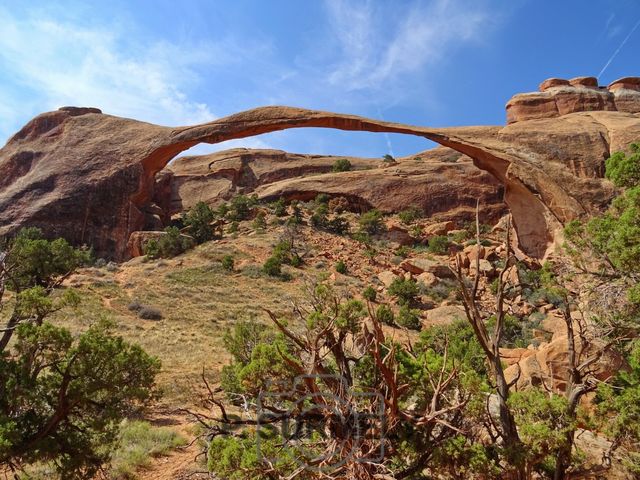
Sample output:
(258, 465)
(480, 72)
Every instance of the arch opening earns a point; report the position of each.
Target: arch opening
(273, 119)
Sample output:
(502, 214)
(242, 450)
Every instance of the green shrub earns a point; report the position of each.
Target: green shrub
(169, 245)
(458, 340)
(241, 207)
(442, 290)
(409, 318)
(318, 220)
(279, 207)
(37, 260)
(385, 315)
(341, 165)
(404, 290)
(388, 158)
(403, 251)
(439, 245)
(623, 170)
(338, 225)
(322, 199)
(152, 249)
(296, 217)
(341, 267)
(369, 293)
(371, 222)
(222, 210)
(198, 222)
(91, 381)
(234, 226)
(273, 266)
(410, 214)
(260, 222)
(460, 236)
(228, 263)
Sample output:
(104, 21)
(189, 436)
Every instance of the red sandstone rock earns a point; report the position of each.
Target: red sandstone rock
(441, 228)
(629, 83)
(429, 180)
(559, 97)
(590, 82)
(552, 82)
(91, 177)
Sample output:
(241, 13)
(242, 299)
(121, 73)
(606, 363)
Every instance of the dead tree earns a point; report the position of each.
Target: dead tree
(336, 405)
(490, 340)
(587, 344)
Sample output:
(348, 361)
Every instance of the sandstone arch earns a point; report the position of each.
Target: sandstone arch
(90, 175)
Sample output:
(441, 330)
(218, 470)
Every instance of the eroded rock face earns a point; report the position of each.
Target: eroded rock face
(90, 177)
(441, 182)
(559, 97)
(217, 177)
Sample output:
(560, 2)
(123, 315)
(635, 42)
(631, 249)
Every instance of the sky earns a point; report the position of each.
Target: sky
(422, 62)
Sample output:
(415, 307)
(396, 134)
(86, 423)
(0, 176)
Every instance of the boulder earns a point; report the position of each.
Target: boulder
(441, 228)
(428, 279)
(387, 277)
(418, 266)
(553, 82)
(473, 252)
(397, 235)
(549, 365)
(486, 268)
(625, 83)
(589, 82)
(559, 97)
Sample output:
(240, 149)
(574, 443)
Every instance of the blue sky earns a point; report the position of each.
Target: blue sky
(435, 62)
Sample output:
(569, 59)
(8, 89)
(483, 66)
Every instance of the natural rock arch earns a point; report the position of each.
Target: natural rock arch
(90, 175)
(535, 222)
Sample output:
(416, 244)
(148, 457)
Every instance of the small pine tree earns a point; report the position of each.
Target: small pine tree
(385, 315)
(260, 222)
(341, 165)
(198, 222)
(341, 267)
(369, 293)
(228, 263)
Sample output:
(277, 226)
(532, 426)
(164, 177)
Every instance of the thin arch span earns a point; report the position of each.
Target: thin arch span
(531, 217)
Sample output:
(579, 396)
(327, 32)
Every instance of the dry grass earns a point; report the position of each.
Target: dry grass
(198, 301)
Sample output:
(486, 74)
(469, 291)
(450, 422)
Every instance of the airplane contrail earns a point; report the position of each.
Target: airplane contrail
(386, 135)
(619, 48)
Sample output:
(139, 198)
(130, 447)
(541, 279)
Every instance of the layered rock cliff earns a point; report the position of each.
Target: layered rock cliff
(557, 97)
(90, 177)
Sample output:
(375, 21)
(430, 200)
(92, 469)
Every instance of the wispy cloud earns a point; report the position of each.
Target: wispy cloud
(71, 63)
(379, 45)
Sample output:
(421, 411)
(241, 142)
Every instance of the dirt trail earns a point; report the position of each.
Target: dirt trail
(181, 463)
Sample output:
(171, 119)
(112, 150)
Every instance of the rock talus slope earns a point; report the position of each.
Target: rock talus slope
(91, 177)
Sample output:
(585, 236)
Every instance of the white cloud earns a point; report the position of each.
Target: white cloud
(60, 63)
(379, 45)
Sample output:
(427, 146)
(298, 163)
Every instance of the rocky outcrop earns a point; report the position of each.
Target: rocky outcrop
(91, 177)
(217, 177)
(559, 97)
(548, 364)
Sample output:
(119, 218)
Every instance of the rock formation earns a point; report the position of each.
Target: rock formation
(90, 177)
(559, 97)
(442, 182)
